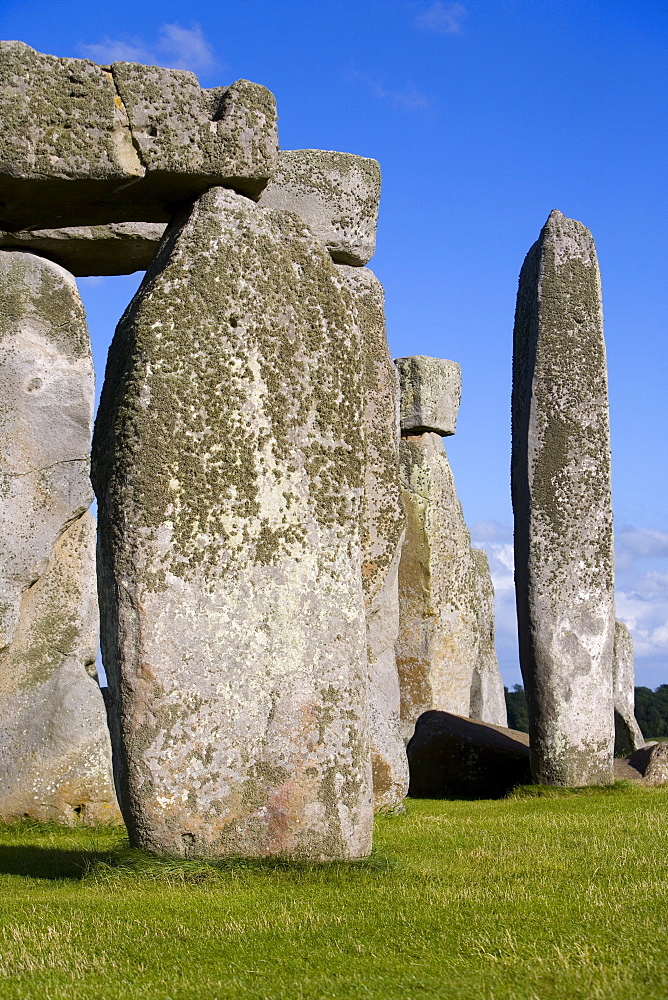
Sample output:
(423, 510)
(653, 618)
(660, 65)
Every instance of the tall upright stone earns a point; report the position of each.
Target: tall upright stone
(382, 536)
(54, 746)
(564, 571)
(628, 736)
(228, 464)
(488, 700)
(437, 649)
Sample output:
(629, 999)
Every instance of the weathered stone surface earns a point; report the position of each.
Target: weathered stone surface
(628, 736)
(336, 194)
(451, 755)
(119, 248)
(437, 649)
(562, 504)
(55, 756)
(382, 534)
(488, 701)
(651, 760)
(54, 746)
(228, 464)
(656, 772)
(431, 391)
(83, 144)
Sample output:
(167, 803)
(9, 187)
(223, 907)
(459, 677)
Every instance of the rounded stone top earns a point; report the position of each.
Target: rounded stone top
(431, 390)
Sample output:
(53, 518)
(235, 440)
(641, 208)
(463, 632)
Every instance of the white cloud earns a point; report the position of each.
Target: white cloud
(114, 50)
(175, 48)
(407, 98)
(632, 544)
(186, 48)
(641, 596)
(443, 18)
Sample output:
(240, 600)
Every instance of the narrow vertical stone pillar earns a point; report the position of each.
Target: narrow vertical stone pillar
(228, 464)
(437, 650)
(628, 736)
(55, 760)
(488, 701)
(564, 570)
(382, 536)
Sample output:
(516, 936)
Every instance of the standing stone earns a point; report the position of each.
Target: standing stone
(437, 649)
(54, 746)
(564, 575)
(228, 464)
(382, 535)
(336, 194)
(488, 700)
(628, 736)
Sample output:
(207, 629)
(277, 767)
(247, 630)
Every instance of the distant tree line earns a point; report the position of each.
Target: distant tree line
(651, 708)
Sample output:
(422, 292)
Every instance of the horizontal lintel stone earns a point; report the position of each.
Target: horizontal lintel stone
(82, 144)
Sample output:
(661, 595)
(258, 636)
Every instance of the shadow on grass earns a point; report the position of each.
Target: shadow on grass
(622, 787)
(128, 864)
(52, 863)
(122, 863)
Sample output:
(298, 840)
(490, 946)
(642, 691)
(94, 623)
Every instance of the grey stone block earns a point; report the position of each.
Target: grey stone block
(488, 701)
(564, 570)
(454, 756)
(119, 248)
(438, 647)
(382, 534)
(628, 736)
(228, 462)
(82, 144)
(336, 194)
(54, 745)
(431, 391)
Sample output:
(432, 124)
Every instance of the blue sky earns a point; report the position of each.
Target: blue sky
(485, 115)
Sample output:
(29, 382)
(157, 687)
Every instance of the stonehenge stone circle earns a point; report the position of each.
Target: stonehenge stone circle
(628, 736)
(228, 461)
(488, 701)
(119, 248)
(431, 391)
(54, 746)
(85, 145)
(382, 536)
(564, 570)
(336, 194)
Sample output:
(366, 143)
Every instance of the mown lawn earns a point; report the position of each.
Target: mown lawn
(530, 898)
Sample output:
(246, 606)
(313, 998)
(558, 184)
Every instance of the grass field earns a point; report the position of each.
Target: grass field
(536, 897)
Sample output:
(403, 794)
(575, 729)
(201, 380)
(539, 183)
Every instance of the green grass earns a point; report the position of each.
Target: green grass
(537, 897)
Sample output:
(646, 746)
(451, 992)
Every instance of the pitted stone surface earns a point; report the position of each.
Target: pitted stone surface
(488, 701)
(656, 766)
(119, 248)
(336, 194)
(228, 464)
(382, 534)
(83, 144)
(224, 134)
(54, 751)
(431, 390)
(628, 736)
(564, 572)
(437, 649)
(55, 756)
